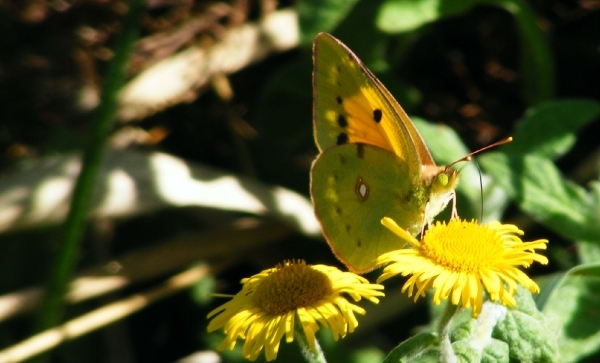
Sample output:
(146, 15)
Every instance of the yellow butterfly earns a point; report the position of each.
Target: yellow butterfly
(373, 161)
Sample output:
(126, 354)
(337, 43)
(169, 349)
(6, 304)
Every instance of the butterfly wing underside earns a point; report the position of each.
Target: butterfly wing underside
(350, 205)
(352, 106)
(373, 161)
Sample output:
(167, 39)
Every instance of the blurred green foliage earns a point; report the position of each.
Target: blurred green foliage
(528, 182)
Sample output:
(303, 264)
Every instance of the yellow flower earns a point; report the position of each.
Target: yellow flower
(272, 300)
(461, 259)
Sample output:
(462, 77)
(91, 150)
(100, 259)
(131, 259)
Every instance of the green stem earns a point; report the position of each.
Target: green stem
(311, 356)
(103, 121)
(413, 348)
(446, 352)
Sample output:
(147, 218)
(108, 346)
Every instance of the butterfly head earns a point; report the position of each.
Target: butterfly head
(444, 181)
(441, 191)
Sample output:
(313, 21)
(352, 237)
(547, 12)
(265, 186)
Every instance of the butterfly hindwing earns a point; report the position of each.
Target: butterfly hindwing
(351, 195)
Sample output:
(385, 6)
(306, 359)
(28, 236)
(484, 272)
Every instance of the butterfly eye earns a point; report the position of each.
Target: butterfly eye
(442, 179)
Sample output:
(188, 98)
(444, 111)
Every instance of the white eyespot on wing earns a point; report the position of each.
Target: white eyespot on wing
(361, 189)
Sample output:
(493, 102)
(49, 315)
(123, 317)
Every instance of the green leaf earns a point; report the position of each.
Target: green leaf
(592, 270)
(589, 251)
(398, 16)
(528, 333)
(321, 15)
(524, 170)
(549, 130)
(472, 341)
(359, 33)
(412, 347)
(574, 305)
(366, 355)
(548, 284)
(555, 281)
(464, 330)
(538, 188)
(465, 348)
(496, 352)
(465, 353)
(443, 142)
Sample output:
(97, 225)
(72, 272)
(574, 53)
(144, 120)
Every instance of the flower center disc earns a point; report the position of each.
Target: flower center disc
(463, 246)
(292, 286)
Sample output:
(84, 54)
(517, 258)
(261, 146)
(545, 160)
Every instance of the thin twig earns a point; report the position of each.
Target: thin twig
(151, 262)
(101, 317)
(171, 80)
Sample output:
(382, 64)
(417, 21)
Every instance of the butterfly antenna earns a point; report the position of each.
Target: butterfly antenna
(480, 189)
(468, 157)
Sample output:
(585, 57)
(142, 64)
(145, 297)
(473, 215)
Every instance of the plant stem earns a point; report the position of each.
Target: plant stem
(311, 356)
(66, 258)
(446, 352)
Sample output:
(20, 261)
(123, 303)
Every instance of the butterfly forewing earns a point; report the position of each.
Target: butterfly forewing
(425, 157)
(352, 106)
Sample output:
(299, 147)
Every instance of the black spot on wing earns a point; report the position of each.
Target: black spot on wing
(360, 151)
(341, 120)
(339, 100)
(377, 115)
(405, 199)
(342, 138)
(358, 243)
(347, 228)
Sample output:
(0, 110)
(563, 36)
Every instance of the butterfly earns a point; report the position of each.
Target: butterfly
(373, 163)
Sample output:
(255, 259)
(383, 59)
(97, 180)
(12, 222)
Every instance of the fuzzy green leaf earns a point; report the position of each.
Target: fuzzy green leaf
(528, 333)
(574, 305)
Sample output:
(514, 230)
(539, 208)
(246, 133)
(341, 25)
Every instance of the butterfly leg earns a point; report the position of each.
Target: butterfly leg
(451, 195)
(425, 221)
(454, 213)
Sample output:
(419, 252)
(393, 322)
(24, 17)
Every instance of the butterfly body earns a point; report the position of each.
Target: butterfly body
(373, 162)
